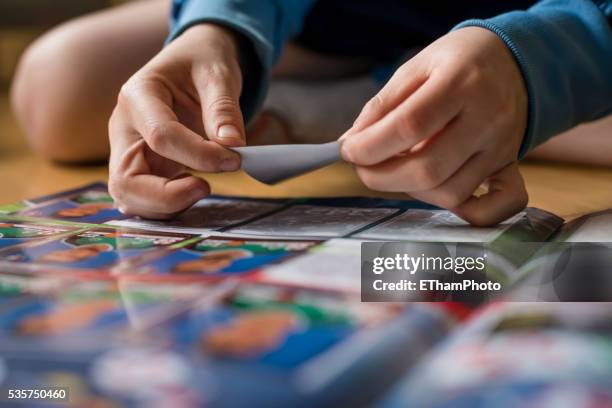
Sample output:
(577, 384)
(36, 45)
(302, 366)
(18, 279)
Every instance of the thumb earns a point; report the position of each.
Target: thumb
(404, 82)
(219, 98)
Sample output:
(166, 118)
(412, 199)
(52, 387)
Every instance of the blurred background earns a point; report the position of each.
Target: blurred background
(21, 22)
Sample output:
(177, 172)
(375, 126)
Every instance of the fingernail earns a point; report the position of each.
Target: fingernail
(227, 132)
(230, 165)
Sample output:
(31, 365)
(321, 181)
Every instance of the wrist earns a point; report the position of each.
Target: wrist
(215, 34)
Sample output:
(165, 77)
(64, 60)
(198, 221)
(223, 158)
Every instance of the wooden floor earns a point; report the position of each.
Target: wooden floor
(568, 191)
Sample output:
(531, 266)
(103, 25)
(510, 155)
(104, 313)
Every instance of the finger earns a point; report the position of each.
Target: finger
(126, 143)
(149, 104)
(131, 160)
(427, 167)
(506, 196)
(160, 166)
(136, 191)
(121, 137)
(461, 186)
(404, 82)
(219, 97)
(425, 113)
(142, 192)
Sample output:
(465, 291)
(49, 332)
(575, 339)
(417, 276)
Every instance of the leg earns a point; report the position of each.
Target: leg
(590, 143)
(313, 98)
(67, 81)
(311, 111)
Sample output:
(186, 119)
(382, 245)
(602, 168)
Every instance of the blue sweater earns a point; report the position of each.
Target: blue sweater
(563, 47)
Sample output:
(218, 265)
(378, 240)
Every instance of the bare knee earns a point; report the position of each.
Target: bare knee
(52, 98)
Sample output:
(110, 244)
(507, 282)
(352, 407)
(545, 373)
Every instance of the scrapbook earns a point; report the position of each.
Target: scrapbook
(259, 301)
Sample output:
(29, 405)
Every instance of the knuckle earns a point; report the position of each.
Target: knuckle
(216, 75)
(374, 105)
(134, 87)
(123, 97)
(224, 105)
(406, 69)
(129, 90)
(409, 127)
(473, 76)
(156, 136)
(427, 174)
(113, 126)
(218, 72)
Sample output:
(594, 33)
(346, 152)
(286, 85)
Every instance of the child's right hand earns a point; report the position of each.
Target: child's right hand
(191, 89)
(451, 119)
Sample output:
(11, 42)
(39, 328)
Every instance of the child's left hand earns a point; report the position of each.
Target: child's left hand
(450, 120)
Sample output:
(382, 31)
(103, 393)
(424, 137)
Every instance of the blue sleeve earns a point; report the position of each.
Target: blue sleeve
(266, 24)
(564, 51)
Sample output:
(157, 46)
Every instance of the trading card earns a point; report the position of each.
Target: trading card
(97, 191)
(9, 292)
(94, 191)
(151, 377)
(7, 209)
(366, 202)
(268, 326)
(43, 326)
(334, 265)
(209, 214)
(83, 318)
(300, 345)
(14, 232)
(433, 225)
(216, 257)
(97, 248)
(123, 376)
(88, 205)
(314, 221)
(20, 285)
(518, 351)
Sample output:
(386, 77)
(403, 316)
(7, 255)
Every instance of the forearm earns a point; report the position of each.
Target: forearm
(564, 50)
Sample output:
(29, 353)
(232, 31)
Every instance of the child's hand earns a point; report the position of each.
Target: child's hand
(450, 119)
(190, 89)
